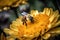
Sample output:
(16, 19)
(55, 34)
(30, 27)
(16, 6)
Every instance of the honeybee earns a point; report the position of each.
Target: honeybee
(25, 17)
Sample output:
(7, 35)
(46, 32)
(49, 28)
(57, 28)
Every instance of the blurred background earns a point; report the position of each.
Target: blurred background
(7, 16)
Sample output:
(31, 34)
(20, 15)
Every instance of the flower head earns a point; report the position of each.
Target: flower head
(43, 21)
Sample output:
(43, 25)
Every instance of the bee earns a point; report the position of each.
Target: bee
(25, 17)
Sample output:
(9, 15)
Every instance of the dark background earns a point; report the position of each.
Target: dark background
(34, 4)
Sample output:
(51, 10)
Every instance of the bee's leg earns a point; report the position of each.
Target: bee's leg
(25, 23)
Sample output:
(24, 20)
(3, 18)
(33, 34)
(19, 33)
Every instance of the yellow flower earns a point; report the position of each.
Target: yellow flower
(5, 4)
(43, 21)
